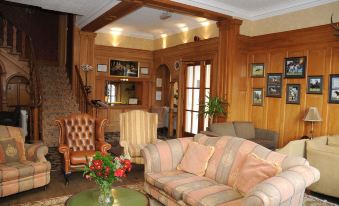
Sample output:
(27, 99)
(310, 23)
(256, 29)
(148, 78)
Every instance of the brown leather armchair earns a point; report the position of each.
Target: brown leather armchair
(81, 135)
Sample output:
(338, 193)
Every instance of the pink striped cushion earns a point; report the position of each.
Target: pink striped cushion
(196, 158)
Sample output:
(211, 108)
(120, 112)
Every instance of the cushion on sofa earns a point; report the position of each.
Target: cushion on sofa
(217, 194)
(11, 150)
(244, 130)
(253, 171)
(196, 158)
(223, 129)
(333, 140)
(176, 182)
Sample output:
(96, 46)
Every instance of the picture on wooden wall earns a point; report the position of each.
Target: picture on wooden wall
(334, 89)
(293, 94)
(257, 70)
(273, 87)
(315, 85)
(257, 96)
(295, 67)
(124, 68)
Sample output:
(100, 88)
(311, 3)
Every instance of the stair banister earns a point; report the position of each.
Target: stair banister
(82, 98)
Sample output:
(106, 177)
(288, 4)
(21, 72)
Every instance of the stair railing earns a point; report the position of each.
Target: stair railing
(20, 43)
(85, 106)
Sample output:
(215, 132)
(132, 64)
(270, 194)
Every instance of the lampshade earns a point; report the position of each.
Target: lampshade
(312, 115)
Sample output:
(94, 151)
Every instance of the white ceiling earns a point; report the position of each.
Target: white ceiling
(145, 22)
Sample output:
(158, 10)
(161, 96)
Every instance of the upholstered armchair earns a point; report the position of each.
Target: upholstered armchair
(137, 129)
(81, 135)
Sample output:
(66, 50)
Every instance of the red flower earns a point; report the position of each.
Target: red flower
(119, 173)
(91, 167)
(98, 167)
(99, 174)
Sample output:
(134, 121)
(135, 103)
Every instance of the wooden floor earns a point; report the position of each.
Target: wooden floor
(57, 187)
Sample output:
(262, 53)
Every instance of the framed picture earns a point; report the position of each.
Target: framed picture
(144, 71)
(102, 68)
(315, 85)
(334, 89)
(124, 68)
(132, 101)
(273, 86)
(257, 70)
(257, 96)
(295, 67)
(293, 94)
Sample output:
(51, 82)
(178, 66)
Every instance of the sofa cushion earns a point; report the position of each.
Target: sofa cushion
(217, 194)
(244, 130)
(193, 163)
(223, 129)
(11, 150)
(333, 140)
(253, 171)
(134, 150)
(81, 157)
(19, 170)
(175, 183)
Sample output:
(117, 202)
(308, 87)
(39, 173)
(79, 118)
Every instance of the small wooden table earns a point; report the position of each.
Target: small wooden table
(122, 197)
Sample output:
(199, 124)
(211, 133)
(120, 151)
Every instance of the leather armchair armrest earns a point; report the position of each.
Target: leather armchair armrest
(103, 147)
(36, 152)
(64, 149)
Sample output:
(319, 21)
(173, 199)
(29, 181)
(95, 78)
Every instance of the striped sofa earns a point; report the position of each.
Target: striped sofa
(174, 187)
(31, 172)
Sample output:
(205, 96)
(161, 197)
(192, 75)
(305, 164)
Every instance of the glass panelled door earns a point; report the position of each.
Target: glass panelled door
(197, 87)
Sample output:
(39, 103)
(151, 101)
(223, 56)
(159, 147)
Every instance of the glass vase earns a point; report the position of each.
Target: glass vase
(105, 195)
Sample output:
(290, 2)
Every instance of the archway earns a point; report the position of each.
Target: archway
(17, 91)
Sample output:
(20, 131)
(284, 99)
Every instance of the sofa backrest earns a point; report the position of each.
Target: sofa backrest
(244, 130)
(231, 152)
(223, 129)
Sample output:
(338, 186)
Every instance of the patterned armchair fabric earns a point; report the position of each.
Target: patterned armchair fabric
(137, 129)
(30, 171)
(175, 187)
(81, 135)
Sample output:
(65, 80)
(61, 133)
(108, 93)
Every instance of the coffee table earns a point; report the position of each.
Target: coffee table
(122, 197)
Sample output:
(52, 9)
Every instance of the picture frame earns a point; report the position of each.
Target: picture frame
(293, 94)
(315, 84)
(295, 67)
(257, 96)
(257, 70)
(133, 101)
(144, 70)
(102, 67)
(273, 85)
(122, 68)
(333, 89)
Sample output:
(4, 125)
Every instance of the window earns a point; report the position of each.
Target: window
(111, 93)
(197, 87)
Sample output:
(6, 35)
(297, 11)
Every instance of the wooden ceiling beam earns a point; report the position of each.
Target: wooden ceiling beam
(116, 12)
(180, 8)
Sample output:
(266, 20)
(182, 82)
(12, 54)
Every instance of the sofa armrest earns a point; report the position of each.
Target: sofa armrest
(278, 189)
(164, 155)
(36, 152)
(266, 134)
(103, 147)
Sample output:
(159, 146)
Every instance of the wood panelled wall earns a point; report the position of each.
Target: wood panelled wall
(322, 50)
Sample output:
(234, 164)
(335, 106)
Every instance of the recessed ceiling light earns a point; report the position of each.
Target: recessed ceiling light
(184, 29)
(181, 25)
(163, 35)
(201, 19)
(205, 23)
(117, 29)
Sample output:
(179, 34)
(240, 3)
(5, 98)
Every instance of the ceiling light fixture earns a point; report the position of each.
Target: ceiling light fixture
(163, 35)
(205, 23)
(181, 25)
(116, 30)
(184, 29)
(165, 15)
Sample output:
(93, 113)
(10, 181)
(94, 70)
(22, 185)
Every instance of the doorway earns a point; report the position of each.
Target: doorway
(197, 88)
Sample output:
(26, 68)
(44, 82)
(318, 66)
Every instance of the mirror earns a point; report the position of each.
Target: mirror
(124, 93)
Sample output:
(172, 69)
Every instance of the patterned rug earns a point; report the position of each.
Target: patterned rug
(59, 201)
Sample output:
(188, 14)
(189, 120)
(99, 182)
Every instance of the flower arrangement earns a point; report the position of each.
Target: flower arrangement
(104, 170)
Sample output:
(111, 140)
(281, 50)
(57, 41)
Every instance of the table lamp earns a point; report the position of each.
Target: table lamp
(312, 116)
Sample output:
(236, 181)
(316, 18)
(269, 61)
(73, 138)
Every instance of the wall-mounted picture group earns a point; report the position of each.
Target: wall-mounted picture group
(294, 67)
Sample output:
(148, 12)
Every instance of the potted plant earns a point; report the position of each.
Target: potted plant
(215, 106)
(104, 170)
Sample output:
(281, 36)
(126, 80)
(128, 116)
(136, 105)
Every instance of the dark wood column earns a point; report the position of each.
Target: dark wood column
(227, 54)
